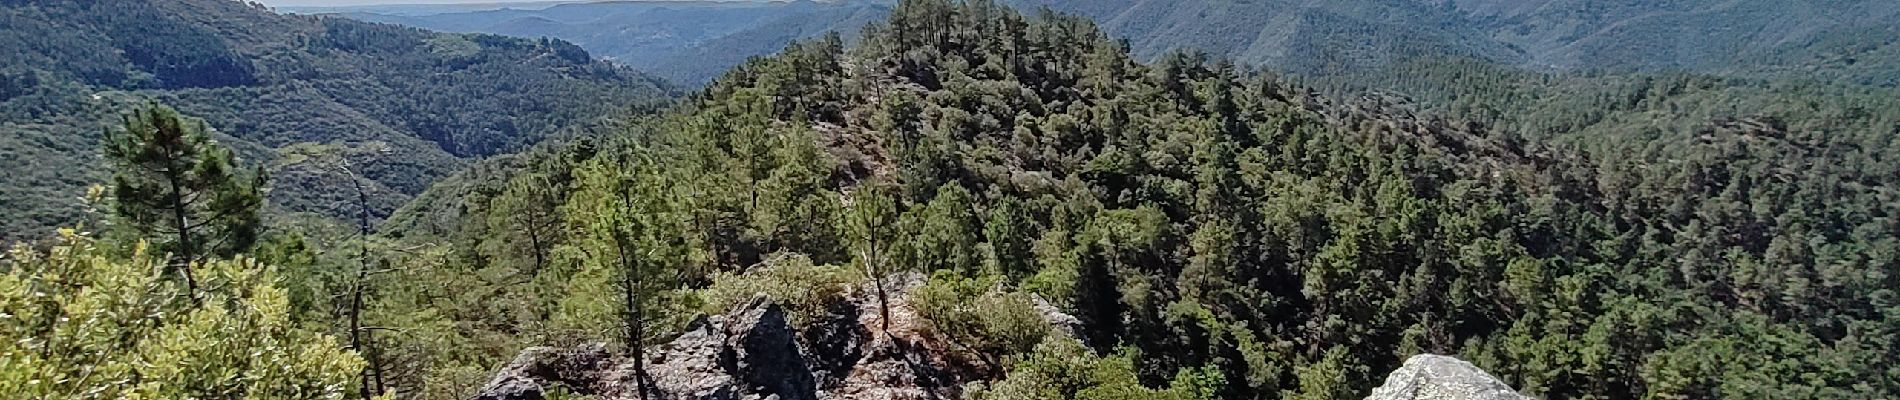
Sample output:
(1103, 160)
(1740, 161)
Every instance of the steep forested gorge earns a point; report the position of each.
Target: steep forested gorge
(406, 106)
(1219, 231)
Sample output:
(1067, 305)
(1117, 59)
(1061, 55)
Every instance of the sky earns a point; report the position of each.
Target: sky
(320, 3)
(388, 2)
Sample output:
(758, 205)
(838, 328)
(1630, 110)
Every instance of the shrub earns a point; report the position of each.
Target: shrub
(978, 314)
(1062, 368)
(79, 324)
(805, 290)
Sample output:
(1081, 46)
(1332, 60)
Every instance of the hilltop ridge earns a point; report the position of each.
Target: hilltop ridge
(1224, 233)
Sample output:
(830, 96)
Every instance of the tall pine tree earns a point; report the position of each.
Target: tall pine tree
(631, 232)
(180, 190)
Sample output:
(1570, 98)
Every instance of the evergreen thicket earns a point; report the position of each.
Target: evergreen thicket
(1220, 232)
(1214, 227)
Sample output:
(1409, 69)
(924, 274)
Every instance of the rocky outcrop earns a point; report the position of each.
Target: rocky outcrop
(834, 342)
(535, 370)
(902, 359)
(1063, 322)
(749, 353)
(1434, 377)
(754, 352)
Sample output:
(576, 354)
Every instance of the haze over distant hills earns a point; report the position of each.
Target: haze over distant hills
(689, 41)
(413, 8)
(1852, 40)
(684, 41)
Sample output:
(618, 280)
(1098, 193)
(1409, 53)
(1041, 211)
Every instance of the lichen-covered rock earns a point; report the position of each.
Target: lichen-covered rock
(753, 352)
(1434, 377)
(582, 370)
(902, 359)
(690, 367)
(749, 353)
(1063, 322)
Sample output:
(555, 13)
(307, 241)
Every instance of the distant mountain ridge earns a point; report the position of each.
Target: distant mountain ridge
(1831, 38)
(1290, 35)
(684, 41)
(424, 8)
(407, 106)
(1855, 40)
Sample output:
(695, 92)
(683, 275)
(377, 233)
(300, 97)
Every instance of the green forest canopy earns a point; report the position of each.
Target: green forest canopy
(1597, 236)
(1220, 232)
(293, 93)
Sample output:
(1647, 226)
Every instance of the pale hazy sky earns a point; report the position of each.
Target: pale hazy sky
(309, 3)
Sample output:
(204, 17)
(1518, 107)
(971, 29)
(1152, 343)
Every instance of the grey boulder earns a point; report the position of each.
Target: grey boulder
(1435, 377)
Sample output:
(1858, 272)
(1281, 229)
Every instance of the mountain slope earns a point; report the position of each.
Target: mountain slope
(1851, 41)
(407, 106)
(1305, 36)
(1855, 41)
(1828, 38)
(1221, 234)
(684, 41)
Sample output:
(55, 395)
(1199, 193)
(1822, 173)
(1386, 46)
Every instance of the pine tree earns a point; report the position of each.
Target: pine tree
(180, 190)
(872, 224)
(526, 212)
(633, 228)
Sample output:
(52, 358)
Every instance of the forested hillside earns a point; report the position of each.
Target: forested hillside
(1054, 212)
(1851, 42)
(1299, 36)
(1618, 108)
(1581, 236)
(1844, 41)
(684, 41)
(404, 106)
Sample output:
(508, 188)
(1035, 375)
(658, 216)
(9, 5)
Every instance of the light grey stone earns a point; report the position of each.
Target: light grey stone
(1435, 377)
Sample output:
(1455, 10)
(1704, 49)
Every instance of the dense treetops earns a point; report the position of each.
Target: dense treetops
(1219, 233)
(1213, 225)
(409, 106)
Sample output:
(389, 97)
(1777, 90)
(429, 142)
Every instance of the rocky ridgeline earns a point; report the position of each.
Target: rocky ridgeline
(750, 353)
(754, 352)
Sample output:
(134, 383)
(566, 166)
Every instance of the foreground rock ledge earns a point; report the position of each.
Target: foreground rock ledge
(753, 352)
(1435, 377)
(749, 353)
